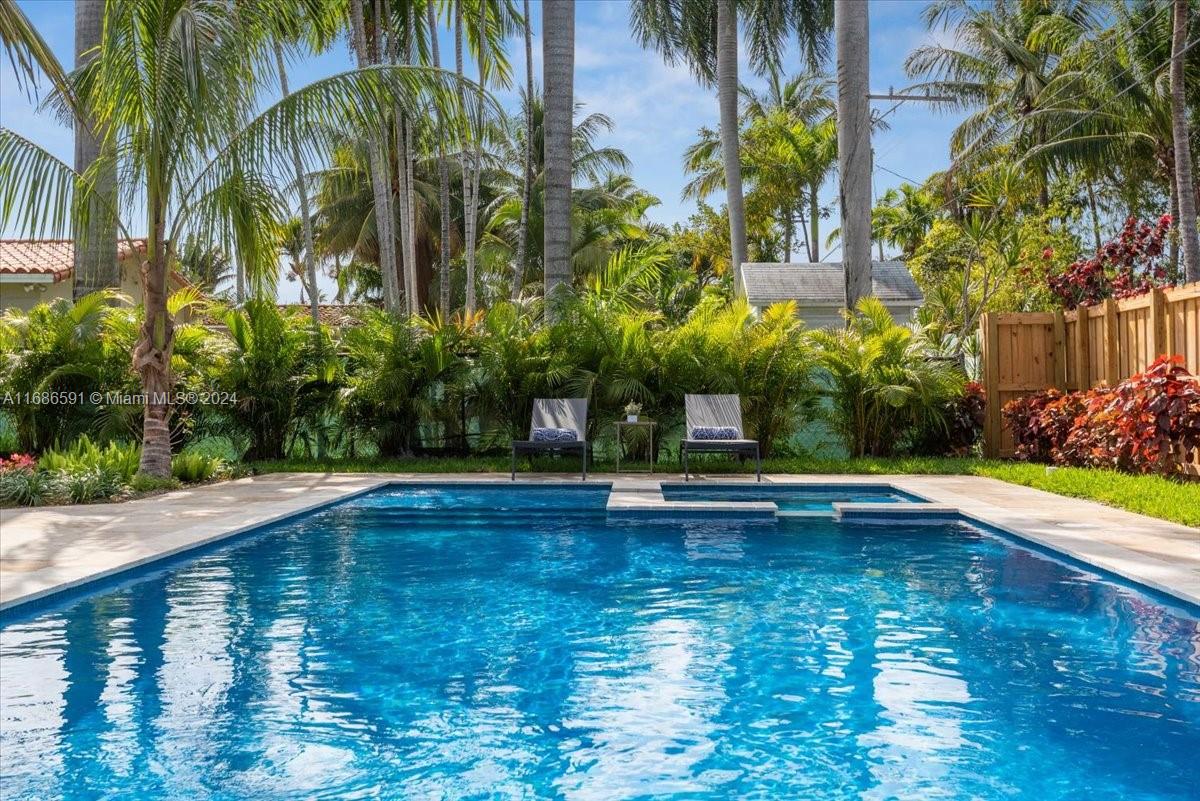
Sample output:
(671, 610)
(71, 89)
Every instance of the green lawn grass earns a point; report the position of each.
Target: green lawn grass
(1163, 498)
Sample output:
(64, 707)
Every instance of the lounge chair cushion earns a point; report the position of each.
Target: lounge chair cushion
(553, 435)
(715, 432)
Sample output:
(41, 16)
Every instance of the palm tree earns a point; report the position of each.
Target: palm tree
(305, 221)
(367, 55)
(443, 182)
(592, 168)
(527, 165)
(903, 217)
(177, 110)
(95, 255)
(1185, 190)
(704, 35)
(1108, 108)
(558, 66)
(28, 53)
(727, 89)
(854, 146)
(788, 140)
(1002, 59)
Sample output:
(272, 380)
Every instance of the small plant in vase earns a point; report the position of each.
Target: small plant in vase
(632, 410)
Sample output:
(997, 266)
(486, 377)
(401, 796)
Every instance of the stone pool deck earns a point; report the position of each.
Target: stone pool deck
(46, 550)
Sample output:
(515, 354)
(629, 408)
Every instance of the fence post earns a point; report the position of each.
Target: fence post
(1159, 344)
(1083, 356)
(990, 332)
(1060, 350)
(1112, 344)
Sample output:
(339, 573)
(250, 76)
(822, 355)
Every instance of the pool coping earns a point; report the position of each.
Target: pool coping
(81, 545)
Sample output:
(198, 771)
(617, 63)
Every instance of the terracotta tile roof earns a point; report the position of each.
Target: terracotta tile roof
(54, 257)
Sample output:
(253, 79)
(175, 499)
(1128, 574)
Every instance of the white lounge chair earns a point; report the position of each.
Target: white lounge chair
(720, 415)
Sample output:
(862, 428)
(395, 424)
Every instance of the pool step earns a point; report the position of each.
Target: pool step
(885, 513)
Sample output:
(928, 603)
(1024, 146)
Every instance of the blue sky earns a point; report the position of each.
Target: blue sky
(657, 109)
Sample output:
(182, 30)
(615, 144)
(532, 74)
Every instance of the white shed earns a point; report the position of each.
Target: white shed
(819, 290)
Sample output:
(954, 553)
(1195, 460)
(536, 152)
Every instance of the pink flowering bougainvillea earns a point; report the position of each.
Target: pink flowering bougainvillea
(1129, 265)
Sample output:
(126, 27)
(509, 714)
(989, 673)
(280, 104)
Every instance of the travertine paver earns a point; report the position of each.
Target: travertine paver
(44, 550)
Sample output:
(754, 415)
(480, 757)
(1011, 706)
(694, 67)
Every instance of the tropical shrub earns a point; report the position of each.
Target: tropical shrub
(1040, 423)
(882, 387)
(723, 348)
(118, 459)
(28, 486)
(52, 359)
(274, 371)
(18, 461)
(397, 372)
(516, 360)
(962, 424)
(191, 467)
(1127, 266)
(1149, 423)
(91, 485)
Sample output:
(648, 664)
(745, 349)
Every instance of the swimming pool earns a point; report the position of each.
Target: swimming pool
(790, 497)
(517, 643)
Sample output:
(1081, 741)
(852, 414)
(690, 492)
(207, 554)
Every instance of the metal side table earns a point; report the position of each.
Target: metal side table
(624, 424)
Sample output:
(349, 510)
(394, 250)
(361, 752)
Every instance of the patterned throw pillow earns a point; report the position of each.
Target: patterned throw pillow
(714, 432)
(553, 435)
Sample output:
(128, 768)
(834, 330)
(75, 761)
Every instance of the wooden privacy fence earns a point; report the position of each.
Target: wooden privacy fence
(1027, 352)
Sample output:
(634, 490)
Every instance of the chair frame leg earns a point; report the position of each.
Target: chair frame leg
(685, 464)
(513, 476)
(758, 463)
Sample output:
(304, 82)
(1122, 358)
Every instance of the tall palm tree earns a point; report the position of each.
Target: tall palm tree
(443, 181)
(367, 54)
(1185, 189)
(178, 111)
(558, 79)
(306, 224)
(1108, 108)
(704, 35)
(854, 146)
(1002, 58)
(787, 140)
(95, 255)
(527, 163)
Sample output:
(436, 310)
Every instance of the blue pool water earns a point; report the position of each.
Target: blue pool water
(790, 497)
(418, 645)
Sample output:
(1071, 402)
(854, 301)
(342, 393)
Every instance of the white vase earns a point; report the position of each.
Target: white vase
(631, 418)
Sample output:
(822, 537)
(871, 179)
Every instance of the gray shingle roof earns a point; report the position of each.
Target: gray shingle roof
(823, 284)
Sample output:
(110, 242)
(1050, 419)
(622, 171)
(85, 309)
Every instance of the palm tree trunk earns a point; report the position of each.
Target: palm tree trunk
(239, 293)
(310, 251)
(789, 227)
(466, 168)
(727, 100)
(152, 355)
(1091, 190)
(380, 184)
(404, 168)
(472, 213)
(527, 167)
(443, 185)
(814, 223)
(558, 79)
(1186, 189)
(95, 256)
(854, 145)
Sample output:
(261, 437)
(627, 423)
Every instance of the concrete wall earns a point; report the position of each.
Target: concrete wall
(24, 297)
